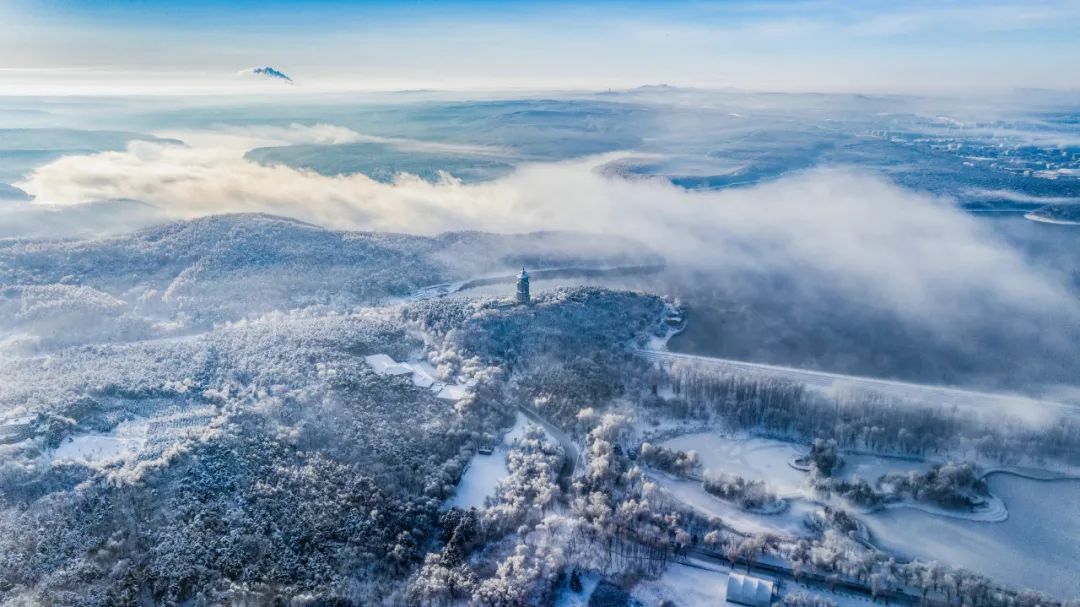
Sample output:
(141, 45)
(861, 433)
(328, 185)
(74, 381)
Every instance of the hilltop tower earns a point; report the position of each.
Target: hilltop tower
(523, 288)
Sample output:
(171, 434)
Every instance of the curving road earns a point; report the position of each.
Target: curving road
(570, 450)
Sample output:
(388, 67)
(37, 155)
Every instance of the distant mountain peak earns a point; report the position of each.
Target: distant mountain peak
(267, 72)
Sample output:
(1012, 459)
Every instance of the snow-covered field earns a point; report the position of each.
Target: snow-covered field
(694, 584)
(871, 467)
(752, 458)
(767, 459)
(132, 439)
(787, 523)
(485, 471)
(1035, 535)
(1040, 536)
(842, 599)
(704, 583)
(568, 598)
(97, 448)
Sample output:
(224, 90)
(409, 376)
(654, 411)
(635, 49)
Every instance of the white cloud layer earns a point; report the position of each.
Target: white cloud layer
(880, 244)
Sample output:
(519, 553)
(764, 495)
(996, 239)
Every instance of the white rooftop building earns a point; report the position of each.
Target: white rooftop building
(748, 590)
(384, 365)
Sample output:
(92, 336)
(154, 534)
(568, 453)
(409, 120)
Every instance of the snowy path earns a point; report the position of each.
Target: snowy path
(571, 453)
(1014, 404)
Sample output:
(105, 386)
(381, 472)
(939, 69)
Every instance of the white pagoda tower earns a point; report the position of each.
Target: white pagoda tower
(523, 288)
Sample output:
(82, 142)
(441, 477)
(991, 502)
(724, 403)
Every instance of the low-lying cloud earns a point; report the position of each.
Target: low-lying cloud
(911, 253)
(330, 134)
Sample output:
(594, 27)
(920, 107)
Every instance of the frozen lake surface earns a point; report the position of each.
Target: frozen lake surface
(787, 523)
(1037, 547)
(1039, 536)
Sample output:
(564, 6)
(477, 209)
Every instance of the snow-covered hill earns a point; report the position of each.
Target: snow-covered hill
(183, 277)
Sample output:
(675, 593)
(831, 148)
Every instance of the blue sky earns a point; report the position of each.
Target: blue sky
(818, 45)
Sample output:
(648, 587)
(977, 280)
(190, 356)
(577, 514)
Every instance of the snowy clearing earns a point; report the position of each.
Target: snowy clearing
(749, 457)
(697, 583)
(485, 471)
(97, 448)
(787, 523)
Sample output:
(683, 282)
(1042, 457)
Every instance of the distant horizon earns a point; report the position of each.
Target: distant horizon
(72, 47)
(324, 89)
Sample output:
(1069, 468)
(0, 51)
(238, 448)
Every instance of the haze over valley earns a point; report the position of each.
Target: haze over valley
(293, 334)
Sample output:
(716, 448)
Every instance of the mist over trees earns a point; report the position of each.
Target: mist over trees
(862, 419)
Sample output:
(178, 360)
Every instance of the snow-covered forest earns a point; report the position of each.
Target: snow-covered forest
(190, 416)
(187, 414)
(864, 419)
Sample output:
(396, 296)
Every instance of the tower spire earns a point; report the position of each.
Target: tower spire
(523, 298)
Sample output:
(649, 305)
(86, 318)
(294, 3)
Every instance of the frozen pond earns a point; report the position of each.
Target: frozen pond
(871, 467)
(1040, 535)
(787, 523)
(1037, 547)
(751, 458)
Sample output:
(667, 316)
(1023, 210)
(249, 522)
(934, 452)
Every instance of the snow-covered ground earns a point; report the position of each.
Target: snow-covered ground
(133, 438)
(1040, 536)
(485, 471)
(768, 460)
(568, 598)
(480, 480)
(97, 448)
(749, 457)
(704, 583)
(841, 598)
(698, 583)
(871, 467)
(786, 523)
